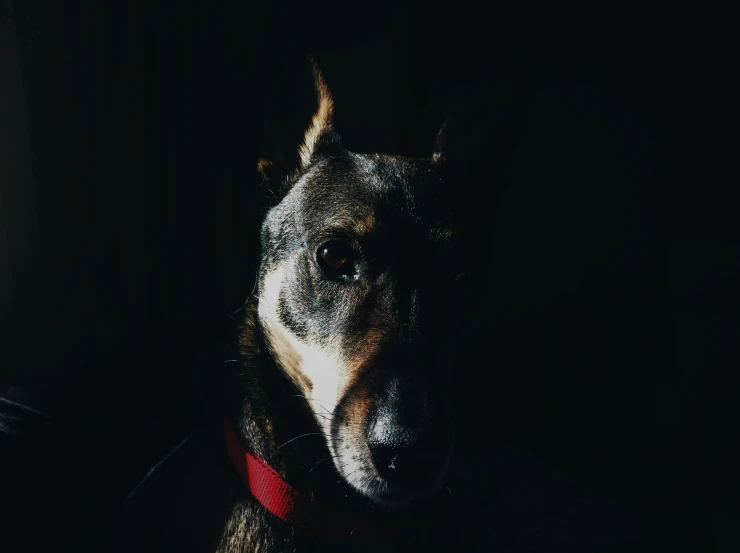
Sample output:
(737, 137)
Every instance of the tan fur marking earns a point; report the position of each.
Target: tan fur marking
(265, 168)
(367, 348)
(322, 120)
(367, 225)
(359, 411)
(288, 357)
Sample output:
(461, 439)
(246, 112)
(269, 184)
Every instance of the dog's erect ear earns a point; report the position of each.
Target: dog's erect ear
(483, 129)
(476, 145)
(322, 122)
(299, 126)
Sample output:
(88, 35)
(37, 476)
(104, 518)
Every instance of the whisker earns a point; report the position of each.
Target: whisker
(315, 399)
(318, 463)
(249, 297)
(330, 413)
(302, 436)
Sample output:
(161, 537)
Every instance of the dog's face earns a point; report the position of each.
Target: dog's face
(359, 295)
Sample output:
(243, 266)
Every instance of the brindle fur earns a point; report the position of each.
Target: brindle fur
(399, 316)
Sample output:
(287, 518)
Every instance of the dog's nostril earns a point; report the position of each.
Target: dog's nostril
(403, 456)
(389, 462)
(406, 465)
(394, 463)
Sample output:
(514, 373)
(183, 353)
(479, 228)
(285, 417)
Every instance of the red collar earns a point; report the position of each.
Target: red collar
(291, 505)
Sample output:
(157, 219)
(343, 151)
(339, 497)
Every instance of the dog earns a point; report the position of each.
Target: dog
(339, 422)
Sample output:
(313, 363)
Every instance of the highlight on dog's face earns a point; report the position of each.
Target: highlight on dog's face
(358, 296)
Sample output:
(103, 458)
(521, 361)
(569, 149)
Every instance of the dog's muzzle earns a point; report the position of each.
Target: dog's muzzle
(408, 436)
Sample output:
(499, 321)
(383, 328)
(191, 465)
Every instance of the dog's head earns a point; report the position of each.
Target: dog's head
(363, 265)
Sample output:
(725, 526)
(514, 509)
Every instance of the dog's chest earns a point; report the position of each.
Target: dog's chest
(248, 529)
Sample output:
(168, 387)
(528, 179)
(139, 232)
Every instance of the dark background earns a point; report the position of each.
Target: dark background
(129, 208)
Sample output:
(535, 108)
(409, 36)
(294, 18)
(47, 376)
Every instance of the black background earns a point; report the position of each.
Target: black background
(130, 207)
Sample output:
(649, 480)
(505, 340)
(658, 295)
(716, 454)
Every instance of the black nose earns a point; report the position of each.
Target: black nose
(406, 435)
(407, 461)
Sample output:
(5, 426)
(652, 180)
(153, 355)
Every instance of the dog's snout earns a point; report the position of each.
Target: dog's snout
(402, 455)
(406, 434)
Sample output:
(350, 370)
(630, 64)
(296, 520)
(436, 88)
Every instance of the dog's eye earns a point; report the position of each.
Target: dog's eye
(337, 257)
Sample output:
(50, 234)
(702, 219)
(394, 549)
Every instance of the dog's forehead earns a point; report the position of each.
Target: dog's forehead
(356, 190)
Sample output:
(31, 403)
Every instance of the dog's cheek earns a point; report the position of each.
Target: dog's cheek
(334, 310)
(295, 302)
